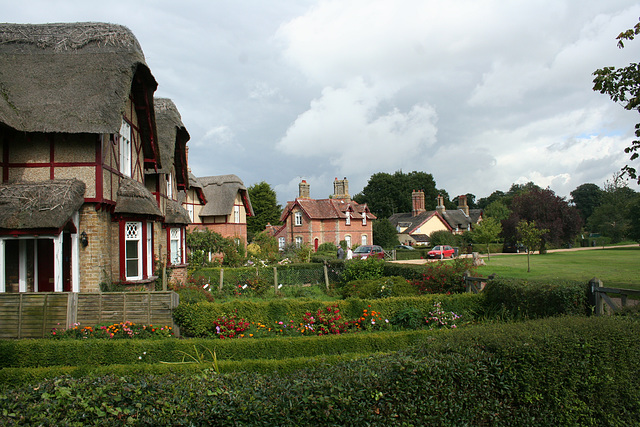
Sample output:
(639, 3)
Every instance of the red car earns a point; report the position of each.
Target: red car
(366, 251)
(441, 251)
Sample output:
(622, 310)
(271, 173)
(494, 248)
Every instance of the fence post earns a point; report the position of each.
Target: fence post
(466, 282)
(221, 279)
(275, 280)
(326, 275)
(597, 298)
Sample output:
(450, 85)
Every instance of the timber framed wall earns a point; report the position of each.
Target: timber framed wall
(35, 315)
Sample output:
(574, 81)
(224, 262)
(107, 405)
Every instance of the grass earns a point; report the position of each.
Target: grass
(616, 267)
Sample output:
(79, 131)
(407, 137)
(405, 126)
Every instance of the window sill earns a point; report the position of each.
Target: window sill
(142, 281)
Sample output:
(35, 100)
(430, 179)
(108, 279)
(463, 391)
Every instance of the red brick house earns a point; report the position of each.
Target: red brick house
(83, 199)
(314, 222)
(219, 203)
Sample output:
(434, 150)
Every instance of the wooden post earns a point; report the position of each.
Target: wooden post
(275, 280)
(221, 279)
(326, 276)
(597, 298)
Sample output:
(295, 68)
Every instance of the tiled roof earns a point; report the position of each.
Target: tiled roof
(328, 209)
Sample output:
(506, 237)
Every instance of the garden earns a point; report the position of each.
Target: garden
(525, 351)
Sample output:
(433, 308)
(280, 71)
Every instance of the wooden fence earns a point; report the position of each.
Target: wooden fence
(610, 300)
(34, 315)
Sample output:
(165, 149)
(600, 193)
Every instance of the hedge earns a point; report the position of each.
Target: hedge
(557, 371)
(102, 352)
(515, 298)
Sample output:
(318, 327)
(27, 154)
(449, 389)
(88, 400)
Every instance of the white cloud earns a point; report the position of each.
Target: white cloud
(346, 126)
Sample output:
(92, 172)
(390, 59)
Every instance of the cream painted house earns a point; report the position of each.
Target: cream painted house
(415, 227)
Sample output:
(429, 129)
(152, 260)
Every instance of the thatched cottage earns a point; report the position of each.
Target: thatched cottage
(88, 184)
(219, 203)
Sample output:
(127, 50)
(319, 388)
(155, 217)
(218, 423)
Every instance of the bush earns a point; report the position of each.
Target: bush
(531, 299)
(379, 288)
(368, 269)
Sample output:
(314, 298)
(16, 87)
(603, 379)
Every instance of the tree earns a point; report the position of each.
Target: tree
(442, 237)
(531, 236)
(497, 210)
(386, 194)
(486, 232)
(623, 86)
(550, 212)
(586, 198)
(634, 219)
(612, 218)
(265, 208)
(384, 233)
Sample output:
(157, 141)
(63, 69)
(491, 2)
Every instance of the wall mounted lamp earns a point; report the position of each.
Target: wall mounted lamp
(84, 239)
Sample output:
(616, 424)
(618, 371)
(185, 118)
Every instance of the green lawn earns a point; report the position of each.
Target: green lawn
(616, 267)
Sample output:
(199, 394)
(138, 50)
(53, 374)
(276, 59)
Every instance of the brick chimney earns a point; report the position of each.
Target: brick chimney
(462, 204)
(304, 190)
(417, 201)
(341, 189)
(440, 204)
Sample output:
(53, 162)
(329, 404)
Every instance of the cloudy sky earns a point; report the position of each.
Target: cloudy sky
(479, 93)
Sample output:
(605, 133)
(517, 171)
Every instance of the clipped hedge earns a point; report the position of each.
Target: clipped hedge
(515, 298)
(196, 320)
(93, 353)
(559, 371)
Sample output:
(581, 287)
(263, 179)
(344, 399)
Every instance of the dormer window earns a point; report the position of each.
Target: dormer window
(125, 149)
(364, 219)
(297, 218)
(348, 220)
(170, 186)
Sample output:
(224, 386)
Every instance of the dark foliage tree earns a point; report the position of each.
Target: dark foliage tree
(586, 198)
(507, 197)
(550, 212)
(384, 233)
(265, 208)
(471, 201)
(623, 86)
(496, 196)
(386, 194)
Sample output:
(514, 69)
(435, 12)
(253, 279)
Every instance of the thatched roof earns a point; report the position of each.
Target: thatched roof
(176, 214)
(172, 139)
(34, 205)
(71, 78)
(134, 198)
(220, 192)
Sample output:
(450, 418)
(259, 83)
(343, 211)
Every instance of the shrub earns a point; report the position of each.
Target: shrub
(442, 278)
(370, 268)
(379, 288)
(535, 299)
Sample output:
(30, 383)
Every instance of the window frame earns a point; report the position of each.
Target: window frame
(126, 148)
(297, 218)
(139, 258)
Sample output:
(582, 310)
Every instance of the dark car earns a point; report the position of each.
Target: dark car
(514, 248)
(441, 251)
(410, 248)
(366, 251)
